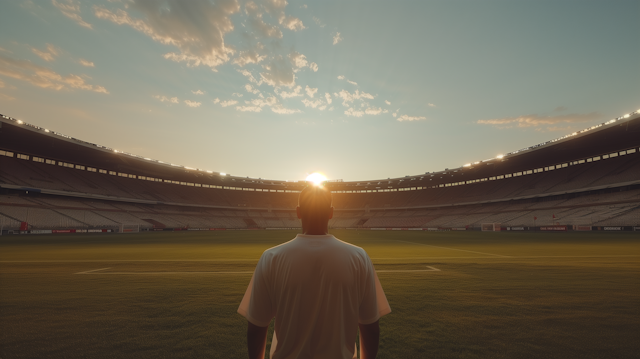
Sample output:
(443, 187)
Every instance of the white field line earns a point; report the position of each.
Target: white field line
(431, 269)
(376, 258)
(162, 273)
(92, 271)
(453, 249)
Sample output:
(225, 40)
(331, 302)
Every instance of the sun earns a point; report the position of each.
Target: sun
(316, 178)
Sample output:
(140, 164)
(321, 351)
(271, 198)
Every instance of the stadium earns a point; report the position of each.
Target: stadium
(164, 168)
(108, 253)
(588, 180)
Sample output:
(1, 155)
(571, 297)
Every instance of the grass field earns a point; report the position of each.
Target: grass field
(175, 295)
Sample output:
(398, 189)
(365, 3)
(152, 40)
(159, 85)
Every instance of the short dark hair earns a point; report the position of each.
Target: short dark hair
(314, 201)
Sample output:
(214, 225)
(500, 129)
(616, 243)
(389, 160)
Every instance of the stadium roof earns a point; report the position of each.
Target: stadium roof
(614, 135)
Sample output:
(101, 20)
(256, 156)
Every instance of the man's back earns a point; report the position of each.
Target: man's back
(318, 288)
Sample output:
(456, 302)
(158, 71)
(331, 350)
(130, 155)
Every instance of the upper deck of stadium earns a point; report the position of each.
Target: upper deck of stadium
(601, 141)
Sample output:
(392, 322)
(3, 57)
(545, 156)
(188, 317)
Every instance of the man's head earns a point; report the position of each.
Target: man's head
(314, 207)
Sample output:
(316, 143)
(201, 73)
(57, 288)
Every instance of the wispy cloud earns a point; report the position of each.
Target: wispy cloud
(352, 82)
(538, 120)
(354, 113)
(318, 22)
(311, 91)
(328, 97)
(167, 99)
(197, 29)
(48, 55)
(337, 38)
(228, 103)
(198, 92)
(86, 63)
(71, 9)
(295, 93)
(348, 97)
(387, 102)
(250, 89)
(44, 77)
(410, 118)
(192, 103)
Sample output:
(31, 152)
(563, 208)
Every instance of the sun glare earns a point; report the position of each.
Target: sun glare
(316, 178)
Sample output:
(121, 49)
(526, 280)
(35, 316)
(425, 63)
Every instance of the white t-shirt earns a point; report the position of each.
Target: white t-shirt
(318, 288)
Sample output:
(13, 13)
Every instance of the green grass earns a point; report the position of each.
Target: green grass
(498, 295)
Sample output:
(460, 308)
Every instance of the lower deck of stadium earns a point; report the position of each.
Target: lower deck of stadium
(611, 207)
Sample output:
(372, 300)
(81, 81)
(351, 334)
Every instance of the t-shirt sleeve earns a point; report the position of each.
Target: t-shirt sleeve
(374, 302)
(256, 305)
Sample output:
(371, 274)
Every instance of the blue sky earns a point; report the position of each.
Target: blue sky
(355, 89)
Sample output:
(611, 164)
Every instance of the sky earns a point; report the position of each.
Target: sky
(357, 90)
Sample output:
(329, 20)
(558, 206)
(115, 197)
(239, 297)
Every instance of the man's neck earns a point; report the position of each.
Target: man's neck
(315, 231)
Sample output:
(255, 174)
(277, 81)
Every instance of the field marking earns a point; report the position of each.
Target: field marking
(92, 271)
(160, 273)
(431, 269)
(462, 250)
(373, 258)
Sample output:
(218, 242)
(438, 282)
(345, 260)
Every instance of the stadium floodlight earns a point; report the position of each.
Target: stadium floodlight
(467, 165)
(500, 156)
(20, 122)
(222, 174)
(627, 116)
(45, 130)
(316, 178)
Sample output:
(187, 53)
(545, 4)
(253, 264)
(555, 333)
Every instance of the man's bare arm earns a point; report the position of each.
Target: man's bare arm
(369, 340)
(256, 340)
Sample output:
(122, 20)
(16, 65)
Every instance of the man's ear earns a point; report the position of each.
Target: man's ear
(298, 212)
(331, 213)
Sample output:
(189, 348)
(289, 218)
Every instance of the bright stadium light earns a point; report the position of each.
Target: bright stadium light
(626, 116)
(20, 122)
(316, 178)
(500, 156)
(467, 165)
(45, 130)
(222, 174)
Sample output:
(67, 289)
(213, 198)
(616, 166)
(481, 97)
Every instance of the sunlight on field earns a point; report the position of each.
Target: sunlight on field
(493, 295)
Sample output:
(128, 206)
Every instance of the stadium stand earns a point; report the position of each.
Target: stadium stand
(589, 178)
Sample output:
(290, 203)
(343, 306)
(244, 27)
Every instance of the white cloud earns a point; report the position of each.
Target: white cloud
(228, 103)
(328, 97)
(387, 102)
(197, 29)
(313, 66)
(250, 89)
(278, 73)
(250, 77)
(295, 93)
(71, 9)
(312, 104)
(44, 77)
(217, 100)
(298, 59)
(311, 91)
(166, 99)
(348, 97)
(340, 77)
(86, 63)
(248, 57)
(318, 22)
(373, 111)
(352, 82)
(410, 118)
(431, 105)
(192, 103)
(199, 92)
(237, 94)
(249, 108)
(355, 113)
(291, 23)
(337, 38)
(537, 120)
(257, 23)
(48, 55)
(279, 109)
